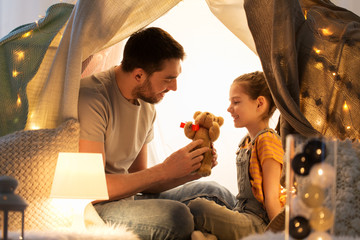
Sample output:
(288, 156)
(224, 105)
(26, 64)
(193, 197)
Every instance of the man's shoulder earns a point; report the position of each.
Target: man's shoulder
(100, 78)
(97, 83)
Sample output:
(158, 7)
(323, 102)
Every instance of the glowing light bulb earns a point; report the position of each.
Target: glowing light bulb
(27, 34)
(18, 101)
(326, 32)
(345, 106)
(305, 14)
(317, 50)
(34, 127)
(15, 73)
(319, 122)
(20, 55)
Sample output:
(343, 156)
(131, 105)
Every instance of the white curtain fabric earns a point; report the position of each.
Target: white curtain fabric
(92, 27)
(95, 26)
(232, 14)
(97, 45)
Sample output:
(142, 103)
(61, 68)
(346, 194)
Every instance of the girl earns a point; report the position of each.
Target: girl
(259, 164)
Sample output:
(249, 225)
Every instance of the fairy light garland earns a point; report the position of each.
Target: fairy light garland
(322, 65)
(19, 56)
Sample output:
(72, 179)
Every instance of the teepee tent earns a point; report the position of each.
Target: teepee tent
(307, 50)
(284, 39)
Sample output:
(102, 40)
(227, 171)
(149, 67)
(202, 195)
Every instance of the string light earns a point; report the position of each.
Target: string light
(326, 32)
(20, 55)
(18, 101)
(27, 34)
(34, 127)
(317, 50)
(305, 14)
(15, 73)
(345, 107)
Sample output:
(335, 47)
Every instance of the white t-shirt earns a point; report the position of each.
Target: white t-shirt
(106, 116)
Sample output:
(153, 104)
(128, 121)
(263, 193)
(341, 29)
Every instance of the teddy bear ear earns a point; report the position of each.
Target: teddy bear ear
(197, 113)
(220, 120)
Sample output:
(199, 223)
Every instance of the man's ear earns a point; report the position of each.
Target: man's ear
(139, 75)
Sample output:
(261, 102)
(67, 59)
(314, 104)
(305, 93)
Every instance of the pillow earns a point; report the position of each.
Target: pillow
(30, 157)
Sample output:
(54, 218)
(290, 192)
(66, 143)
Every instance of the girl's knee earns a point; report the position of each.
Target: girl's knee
(199, 207)
(179, 220)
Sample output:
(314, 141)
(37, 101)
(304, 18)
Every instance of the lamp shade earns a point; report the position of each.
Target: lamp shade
(79, 176)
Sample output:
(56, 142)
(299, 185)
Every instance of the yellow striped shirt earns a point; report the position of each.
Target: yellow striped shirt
(266, 146)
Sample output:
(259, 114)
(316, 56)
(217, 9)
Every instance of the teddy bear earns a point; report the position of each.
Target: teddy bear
(206, 127)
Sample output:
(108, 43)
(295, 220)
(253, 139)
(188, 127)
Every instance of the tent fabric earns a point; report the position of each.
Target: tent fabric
(92, 27)
(232, 14)
(21, 53)
(309, 50)
(281, 36)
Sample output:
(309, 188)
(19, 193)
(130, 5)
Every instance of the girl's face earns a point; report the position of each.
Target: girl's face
(242, 108)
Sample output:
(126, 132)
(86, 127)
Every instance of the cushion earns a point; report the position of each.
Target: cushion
(30, 157)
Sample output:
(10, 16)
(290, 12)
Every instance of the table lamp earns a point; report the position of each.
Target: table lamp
(80, 177)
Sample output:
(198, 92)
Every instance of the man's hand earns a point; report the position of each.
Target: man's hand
(184, 161)
(215, 156)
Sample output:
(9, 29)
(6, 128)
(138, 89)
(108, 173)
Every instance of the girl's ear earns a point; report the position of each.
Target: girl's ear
(261, 102)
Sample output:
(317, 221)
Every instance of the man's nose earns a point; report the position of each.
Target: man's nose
(173, 85)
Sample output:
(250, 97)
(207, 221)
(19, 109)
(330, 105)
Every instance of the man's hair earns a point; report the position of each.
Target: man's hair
(255, 85)
(149, 48)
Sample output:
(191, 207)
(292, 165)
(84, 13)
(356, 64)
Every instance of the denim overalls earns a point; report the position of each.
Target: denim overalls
(246, 201)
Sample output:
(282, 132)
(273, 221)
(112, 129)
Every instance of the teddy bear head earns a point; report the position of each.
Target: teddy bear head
(206, 119)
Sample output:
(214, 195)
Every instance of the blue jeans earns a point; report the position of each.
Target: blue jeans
(164, 215)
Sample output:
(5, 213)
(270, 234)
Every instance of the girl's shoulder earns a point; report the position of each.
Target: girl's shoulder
(267, 134)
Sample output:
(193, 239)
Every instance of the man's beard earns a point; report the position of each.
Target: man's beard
(146, 93)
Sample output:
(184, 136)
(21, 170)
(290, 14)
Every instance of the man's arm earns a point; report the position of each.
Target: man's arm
(175, 170)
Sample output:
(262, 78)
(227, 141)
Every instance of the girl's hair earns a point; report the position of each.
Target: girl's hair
(254, 85)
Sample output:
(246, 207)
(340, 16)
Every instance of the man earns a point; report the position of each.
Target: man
(116, 114)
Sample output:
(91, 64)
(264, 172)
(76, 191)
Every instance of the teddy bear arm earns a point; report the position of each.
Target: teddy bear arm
(206, 164)
(214, 132)
(188, 130)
